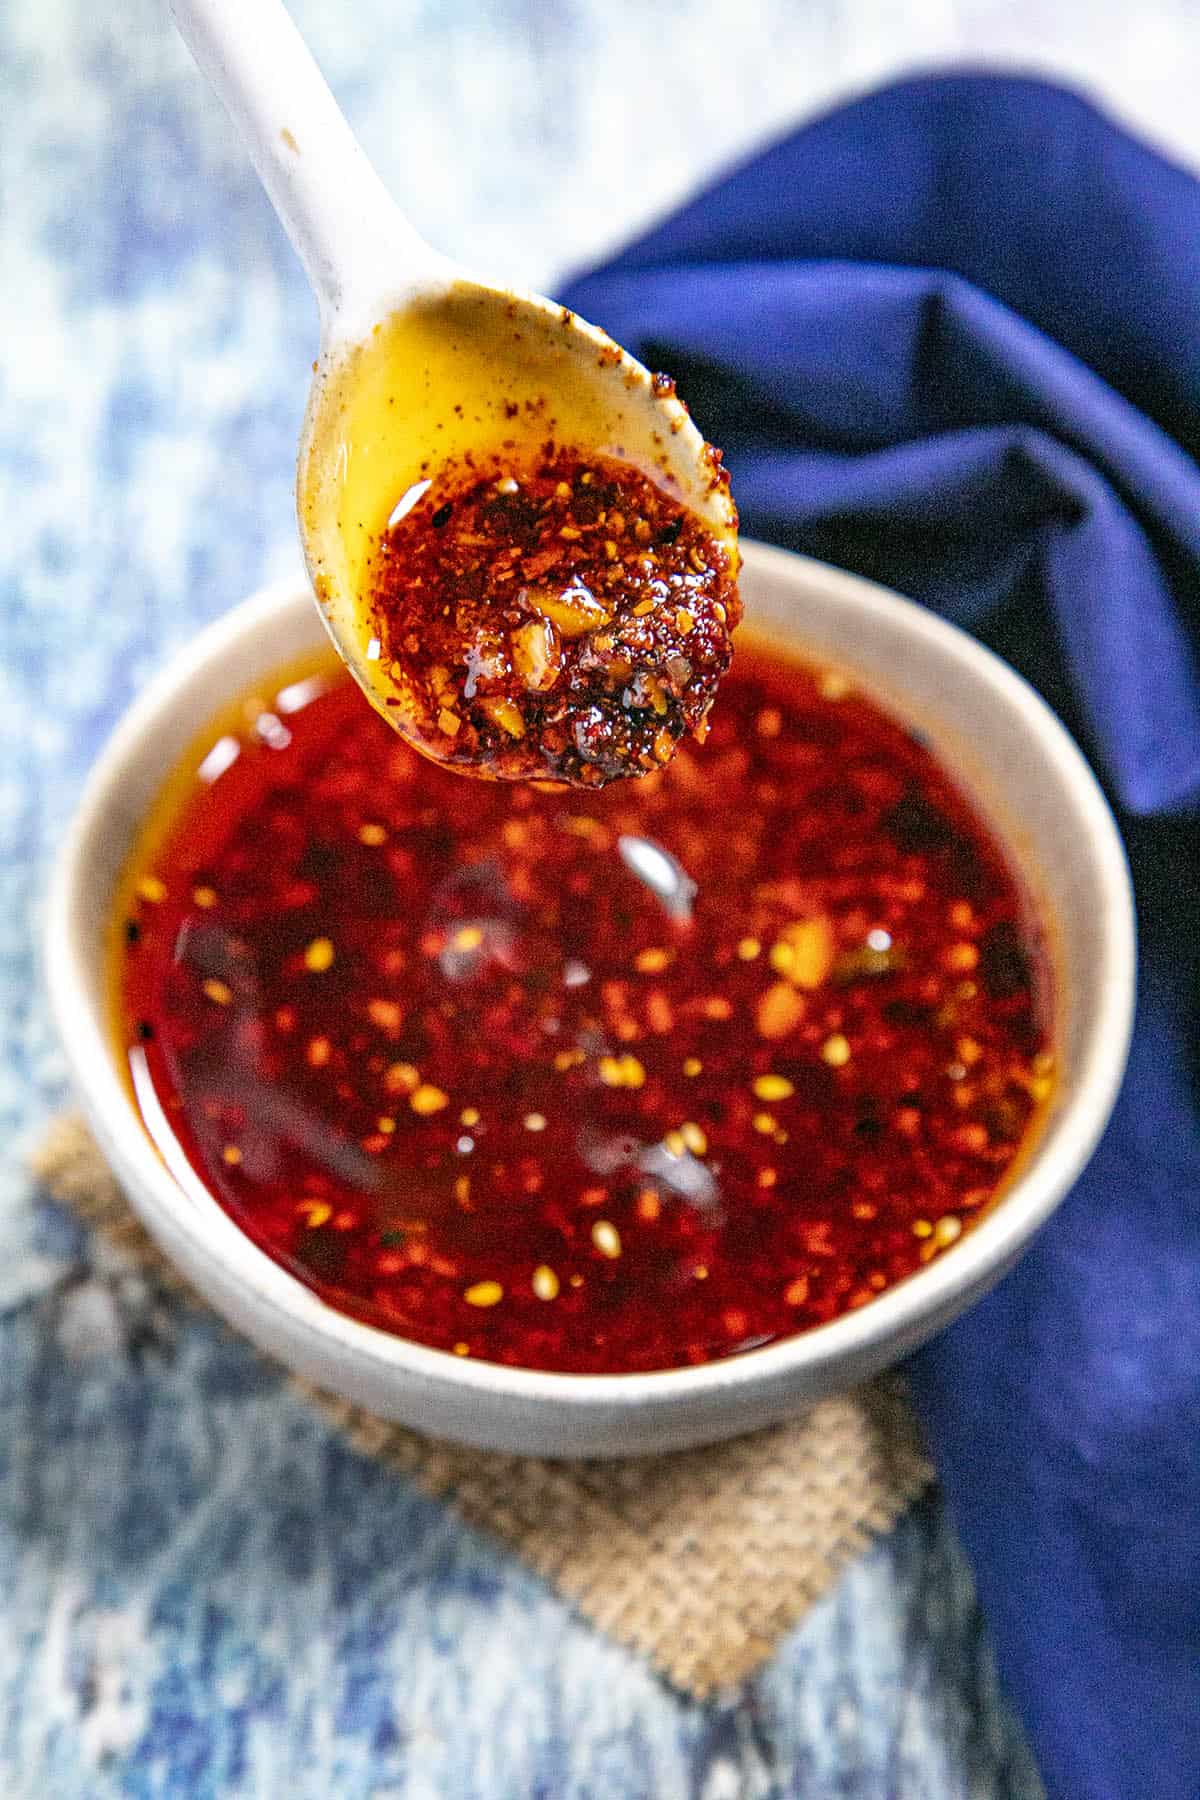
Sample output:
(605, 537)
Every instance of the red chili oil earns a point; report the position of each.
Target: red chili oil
(613, 1082)
(566, 620)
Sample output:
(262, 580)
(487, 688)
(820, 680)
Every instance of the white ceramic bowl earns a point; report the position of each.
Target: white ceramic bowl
(987, 726)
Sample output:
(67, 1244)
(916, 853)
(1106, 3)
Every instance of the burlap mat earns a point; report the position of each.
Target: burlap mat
(701, 1560)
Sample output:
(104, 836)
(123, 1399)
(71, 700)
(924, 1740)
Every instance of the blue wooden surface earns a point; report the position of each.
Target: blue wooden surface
(202, 1592)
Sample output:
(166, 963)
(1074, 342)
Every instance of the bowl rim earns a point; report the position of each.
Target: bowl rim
(211, 1236)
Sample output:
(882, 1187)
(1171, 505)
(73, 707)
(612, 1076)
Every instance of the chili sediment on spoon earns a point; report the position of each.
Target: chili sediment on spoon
(557, 617)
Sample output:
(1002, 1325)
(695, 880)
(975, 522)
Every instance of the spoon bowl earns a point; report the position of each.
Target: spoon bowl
(420, 363)
(461, 369)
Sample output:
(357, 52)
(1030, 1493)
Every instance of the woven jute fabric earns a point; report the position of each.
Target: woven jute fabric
(700, 1560)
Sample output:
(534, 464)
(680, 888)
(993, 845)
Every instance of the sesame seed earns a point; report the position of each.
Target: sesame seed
(371, 834)
(219, 992)
(469, 1116)
(796, 1292)
(765, 1123)
(484, 1293)
(319, 955)
(922, 1228)
(694, 1139)
(545, 1282)
(461, 1349)
(467, 937)
(836, 1051)
(535, 1121)
(606, 1238)
(426, 1099)
(204, 896)
(386, 1125)
(773, 1087)
(621, 1071)
(150, 888)
(946, 1230)
(748, 948)
(692, 1065)
(232, 1155)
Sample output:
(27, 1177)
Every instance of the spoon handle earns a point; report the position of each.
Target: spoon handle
(353, 240)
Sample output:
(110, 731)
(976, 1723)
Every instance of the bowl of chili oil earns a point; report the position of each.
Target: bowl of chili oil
(460, 1059)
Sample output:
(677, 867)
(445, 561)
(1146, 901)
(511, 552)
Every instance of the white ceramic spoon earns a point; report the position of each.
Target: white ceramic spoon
(419, 360)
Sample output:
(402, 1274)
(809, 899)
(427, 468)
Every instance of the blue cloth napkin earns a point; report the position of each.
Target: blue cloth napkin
(949, 336)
